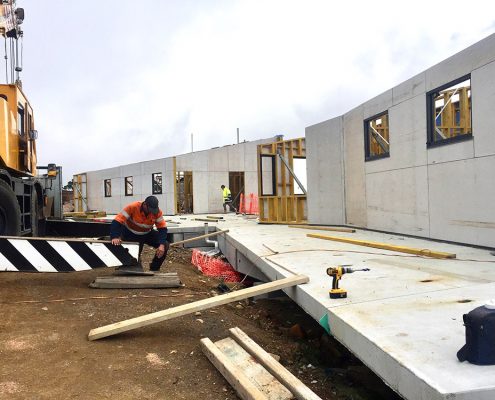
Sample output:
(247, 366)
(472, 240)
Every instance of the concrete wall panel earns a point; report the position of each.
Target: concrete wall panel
(324, 147)
(200, 192)
(215, 196)
(462, 198)
(483, 109)
(407, 137)
(462, 63)
(236, 157)
(397, 201)
(451, 152)
(218, 159)
(407, 90)
(355, 187)
(378, 104)
(251, 182)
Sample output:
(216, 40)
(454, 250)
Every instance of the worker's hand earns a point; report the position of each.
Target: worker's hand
(116, 241)
(160, 251)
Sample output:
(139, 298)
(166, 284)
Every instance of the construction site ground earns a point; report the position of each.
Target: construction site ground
(45, 353)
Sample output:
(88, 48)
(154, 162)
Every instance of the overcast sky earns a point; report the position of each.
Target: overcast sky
(113, 82)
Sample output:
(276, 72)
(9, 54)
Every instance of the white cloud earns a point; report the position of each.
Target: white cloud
(126, 91)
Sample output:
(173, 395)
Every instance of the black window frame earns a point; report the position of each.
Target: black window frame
(367, 143)
(274, 174)
(153, 181)
(109, 192)
(430, 112)
(131, 180)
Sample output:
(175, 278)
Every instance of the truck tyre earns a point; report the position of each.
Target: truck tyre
(10, 212)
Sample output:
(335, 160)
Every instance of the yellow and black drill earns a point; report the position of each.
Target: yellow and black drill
(336, 274)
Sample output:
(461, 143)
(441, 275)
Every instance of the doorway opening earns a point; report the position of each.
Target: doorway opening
(184, 190)
(236, 186)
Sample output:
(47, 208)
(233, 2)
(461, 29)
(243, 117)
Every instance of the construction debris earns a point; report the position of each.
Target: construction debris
(152, 281)
(252, 371)
(159, 316)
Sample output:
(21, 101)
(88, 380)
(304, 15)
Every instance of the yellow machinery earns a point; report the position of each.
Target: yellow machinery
(21, 192)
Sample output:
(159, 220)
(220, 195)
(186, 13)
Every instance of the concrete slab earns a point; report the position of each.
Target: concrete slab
(403, 318)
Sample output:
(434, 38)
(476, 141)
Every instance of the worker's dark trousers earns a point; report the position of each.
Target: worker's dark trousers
(151, 239)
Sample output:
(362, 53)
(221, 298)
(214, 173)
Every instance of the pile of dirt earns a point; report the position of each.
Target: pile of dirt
(46, 355)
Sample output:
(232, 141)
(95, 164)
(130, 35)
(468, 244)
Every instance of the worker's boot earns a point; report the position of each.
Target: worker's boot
(156, 263)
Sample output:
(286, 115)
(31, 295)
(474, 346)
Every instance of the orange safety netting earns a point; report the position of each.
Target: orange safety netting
(249, 204)
(212, 266)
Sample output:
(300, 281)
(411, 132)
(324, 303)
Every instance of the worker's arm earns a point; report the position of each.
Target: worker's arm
(161, 225)
(118, 225)
(116, 232)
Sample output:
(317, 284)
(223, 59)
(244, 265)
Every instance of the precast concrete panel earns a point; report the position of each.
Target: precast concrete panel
(251, 156)
(218, 159)
(185, 162)
(413, 87)
(168, 183)
(200, 161)
(462, 63)
(153, 166)
(462, 198)
(324, 155)
(251, 182)
(236, 157)
(215, 195)
(378, 104)
(355, 183)
(131, 169)
(483, 109)
(200, 192)
(397, 201)
(407, 130)
(451, 152)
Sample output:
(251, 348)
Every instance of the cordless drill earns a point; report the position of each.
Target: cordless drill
(336, 274)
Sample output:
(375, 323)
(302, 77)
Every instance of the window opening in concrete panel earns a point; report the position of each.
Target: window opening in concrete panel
(449, 112)
(128, 186)
(299, 168)
(268, 178)
(156, 182)
(184, 190)
(108, 187)
(377, 137)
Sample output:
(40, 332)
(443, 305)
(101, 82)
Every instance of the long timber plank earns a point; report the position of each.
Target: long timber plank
(159, 316)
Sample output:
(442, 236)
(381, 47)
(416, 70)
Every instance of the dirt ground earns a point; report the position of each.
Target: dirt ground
(45, 353)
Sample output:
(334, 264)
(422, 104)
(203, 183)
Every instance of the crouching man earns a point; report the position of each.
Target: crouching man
(135, 224)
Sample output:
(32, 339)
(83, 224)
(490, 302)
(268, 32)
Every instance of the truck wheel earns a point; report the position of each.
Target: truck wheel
(10, 213)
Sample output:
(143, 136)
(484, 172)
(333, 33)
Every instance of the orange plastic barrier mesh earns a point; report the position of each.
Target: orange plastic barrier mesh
(249, 204)
(212, 266)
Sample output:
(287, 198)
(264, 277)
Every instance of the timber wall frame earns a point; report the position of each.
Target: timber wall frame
(278, 202)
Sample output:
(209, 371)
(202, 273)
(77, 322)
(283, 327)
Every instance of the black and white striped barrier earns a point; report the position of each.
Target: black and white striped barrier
(62, 255)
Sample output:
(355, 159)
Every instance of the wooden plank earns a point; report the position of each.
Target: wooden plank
(253, 370)
(155, 281)
(323, 228)
(386, 246)
(198, 238)
(159, 316)
(242, 385)
(298, 389)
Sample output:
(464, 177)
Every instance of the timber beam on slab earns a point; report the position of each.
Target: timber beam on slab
(386, 246)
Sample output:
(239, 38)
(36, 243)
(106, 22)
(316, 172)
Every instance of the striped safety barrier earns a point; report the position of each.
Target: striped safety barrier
(62, 255)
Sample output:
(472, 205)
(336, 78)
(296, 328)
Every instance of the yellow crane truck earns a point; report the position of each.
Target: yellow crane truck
(22, 192)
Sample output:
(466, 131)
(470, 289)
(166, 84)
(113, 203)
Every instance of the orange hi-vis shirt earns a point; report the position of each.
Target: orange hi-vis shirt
(134, 219)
